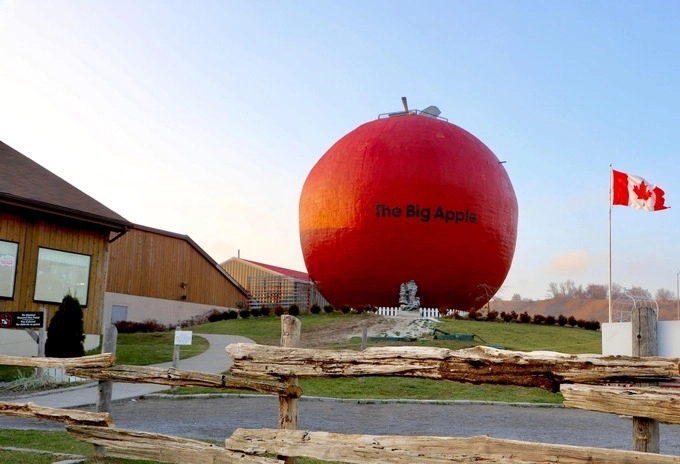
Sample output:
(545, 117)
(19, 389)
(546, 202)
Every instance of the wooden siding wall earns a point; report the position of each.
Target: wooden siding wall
(241, 271)
(153, 265)
(32, 233)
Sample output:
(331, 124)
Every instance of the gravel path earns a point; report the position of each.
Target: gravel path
(216, 418)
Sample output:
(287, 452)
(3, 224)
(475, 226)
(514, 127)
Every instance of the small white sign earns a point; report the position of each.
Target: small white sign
(183, 337)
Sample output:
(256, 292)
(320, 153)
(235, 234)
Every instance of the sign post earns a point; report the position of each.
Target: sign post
(28, 320)
(42, 339)
(22, 320)
(182, 337)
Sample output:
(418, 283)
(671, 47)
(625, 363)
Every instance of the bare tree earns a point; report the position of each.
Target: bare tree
(554, 290)
(516, 297)
(617, 291)
(569, 289)
(640, 291)
(664, 295)
(596, 292)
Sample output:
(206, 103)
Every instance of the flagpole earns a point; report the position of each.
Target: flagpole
(610, 242)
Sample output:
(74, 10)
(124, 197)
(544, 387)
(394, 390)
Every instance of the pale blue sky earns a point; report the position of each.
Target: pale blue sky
(204, 118)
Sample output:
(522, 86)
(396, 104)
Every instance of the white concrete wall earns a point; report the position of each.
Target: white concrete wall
(164, 311)
(16, 342)
(617, 338)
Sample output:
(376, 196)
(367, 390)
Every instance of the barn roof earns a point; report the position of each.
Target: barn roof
(26, 185)
(281, 270)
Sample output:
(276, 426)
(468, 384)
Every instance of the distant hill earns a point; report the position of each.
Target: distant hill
(580, 308)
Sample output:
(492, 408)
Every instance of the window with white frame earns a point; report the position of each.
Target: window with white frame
(61, 273)
(8, 267)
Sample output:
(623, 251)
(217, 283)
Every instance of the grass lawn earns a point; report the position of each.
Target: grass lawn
(267, 330)
(528, 337)
(142, 349)
(514, 336)
(9, 373)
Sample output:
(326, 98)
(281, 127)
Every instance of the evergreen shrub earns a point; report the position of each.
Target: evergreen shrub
(65, 334)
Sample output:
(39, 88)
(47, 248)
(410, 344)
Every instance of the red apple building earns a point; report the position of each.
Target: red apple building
(411, 197)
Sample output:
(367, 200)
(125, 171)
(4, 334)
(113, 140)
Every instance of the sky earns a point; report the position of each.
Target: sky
(204, 118)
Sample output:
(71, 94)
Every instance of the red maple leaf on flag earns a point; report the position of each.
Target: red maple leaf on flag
(642, 192)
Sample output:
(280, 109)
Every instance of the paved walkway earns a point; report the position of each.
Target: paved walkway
(215, 361)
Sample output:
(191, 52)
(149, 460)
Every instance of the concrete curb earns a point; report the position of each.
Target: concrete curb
(165, 396)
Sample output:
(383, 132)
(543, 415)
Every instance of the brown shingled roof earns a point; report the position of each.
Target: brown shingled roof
(27, 185)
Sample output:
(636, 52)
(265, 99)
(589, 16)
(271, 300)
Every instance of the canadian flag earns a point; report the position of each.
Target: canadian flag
(634, 191)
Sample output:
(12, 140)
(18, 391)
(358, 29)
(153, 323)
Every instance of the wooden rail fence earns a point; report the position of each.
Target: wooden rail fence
(584, 380)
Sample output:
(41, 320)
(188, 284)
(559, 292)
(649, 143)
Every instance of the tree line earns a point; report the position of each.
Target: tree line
(569, 289)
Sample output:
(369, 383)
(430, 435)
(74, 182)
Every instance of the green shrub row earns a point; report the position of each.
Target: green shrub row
(526, 318)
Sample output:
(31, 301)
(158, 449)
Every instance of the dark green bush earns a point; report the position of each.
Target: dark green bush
(592, 325)
(562, 320)
(279, 311)
(65, 334)
(345, 309)
(215, 316)
(538, 319)
(315, 309)
(367, 308)
(146, 326)
(244, 313)
(265, 310)
(328, 308)
(524, 318)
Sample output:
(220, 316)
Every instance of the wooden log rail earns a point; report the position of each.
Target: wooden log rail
(129, 444)
(178, 377)
(476, 365)
(662, 404)
(380, 449)
(67, 416)
(247, 446)
(96, 360)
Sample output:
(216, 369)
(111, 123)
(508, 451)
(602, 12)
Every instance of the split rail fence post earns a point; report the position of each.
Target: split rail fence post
(42, 339)
(364, 344)
(105, 387)
(288, 407)
(645, 431)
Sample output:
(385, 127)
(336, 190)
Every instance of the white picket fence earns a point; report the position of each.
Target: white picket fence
(424, 312)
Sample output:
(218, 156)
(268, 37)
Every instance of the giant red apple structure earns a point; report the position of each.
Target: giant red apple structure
(403, 198)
